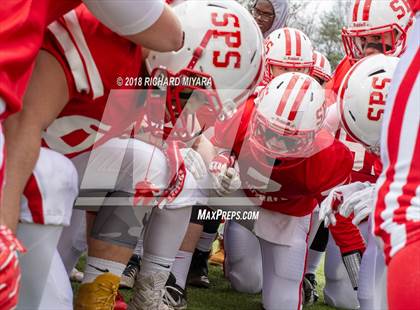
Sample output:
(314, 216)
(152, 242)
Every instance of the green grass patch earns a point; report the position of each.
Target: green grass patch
(220, 296)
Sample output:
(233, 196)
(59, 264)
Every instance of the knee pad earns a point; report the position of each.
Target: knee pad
(117, 224)
(246, 281)
(41, 243)
(242, 251)
(50, 191)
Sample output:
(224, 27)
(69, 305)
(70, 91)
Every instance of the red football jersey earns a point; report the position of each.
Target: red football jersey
(291, 187)
(364, 161)
(415, 5)
(23, 23)
(95, 61)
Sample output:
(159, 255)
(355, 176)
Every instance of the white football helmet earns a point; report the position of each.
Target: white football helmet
(223, 43)
(362, 97)
(322, 67)
(377, 17)
(288, 116)
(290, 48)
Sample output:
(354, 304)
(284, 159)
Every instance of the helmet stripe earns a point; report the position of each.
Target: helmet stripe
(288, 42)
(322, 63)
(298, 100)
(356, 10)
(286, 94)
(366, 10)
(298, 43)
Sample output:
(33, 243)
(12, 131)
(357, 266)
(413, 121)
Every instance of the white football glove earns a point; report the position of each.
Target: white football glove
(194, 163)
(225, 174)
(335, 198)
(360, 203)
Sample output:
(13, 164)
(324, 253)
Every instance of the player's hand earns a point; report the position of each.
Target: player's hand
(334, 200)
(360, 203)
(225, 174)
(9, 268)
(194, 163)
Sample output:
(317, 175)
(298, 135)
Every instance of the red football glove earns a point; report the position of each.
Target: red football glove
(9, 268)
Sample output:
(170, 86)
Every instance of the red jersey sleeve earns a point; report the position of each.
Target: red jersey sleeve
(333, 85)
(337, 172)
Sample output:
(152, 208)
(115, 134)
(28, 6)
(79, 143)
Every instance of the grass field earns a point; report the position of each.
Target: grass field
(221, 297)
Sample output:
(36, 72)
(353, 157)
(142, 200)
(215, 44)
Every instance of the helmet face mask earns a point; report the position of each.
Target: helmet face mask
(389, 38)
(172, 104)
(280, 141)
(289, 114)
(389, 20)
(222, 43)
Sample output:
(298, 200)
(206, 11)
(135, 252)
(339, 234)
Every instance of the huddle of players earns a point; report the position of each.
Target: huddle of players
(275, 149)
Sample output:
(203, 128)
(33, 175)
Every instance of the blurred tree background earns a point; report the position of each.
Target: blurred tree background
(322, 21)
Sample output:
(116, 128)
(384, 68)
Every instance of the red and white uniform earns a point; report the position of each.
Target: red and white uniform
(288, 192)
(364, 162)
(292, 187)
(23, 24)
(397, 209)
(92, 58)
(90, 77)
(97, 113)
(397, 213)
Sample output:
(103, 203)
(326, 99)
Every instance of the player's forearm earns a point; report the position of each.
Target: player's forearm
(164, 35)
(22, 147)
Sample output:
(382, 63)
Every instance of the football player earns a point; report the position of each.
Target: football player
(23, 26)
(322, 73)
(322, 69)
(279, 59)
(397, 190)
(286, 50)
(276, 143)
(234, 77)
(361, 104)
(397, 206)
(84, 132)
(373, 27)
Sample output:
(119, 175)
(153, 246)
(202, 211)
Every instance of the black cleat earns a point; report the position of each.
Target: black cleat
(309, 289)
(128, 277)
(175, 296)
(199, 270)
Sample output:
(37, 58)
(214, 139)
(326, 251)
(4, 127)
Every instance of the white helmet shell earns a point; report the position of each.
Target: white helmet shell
(322, 67)
(292, 108)
(289, 47)
(223, 41)
(362, 97)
